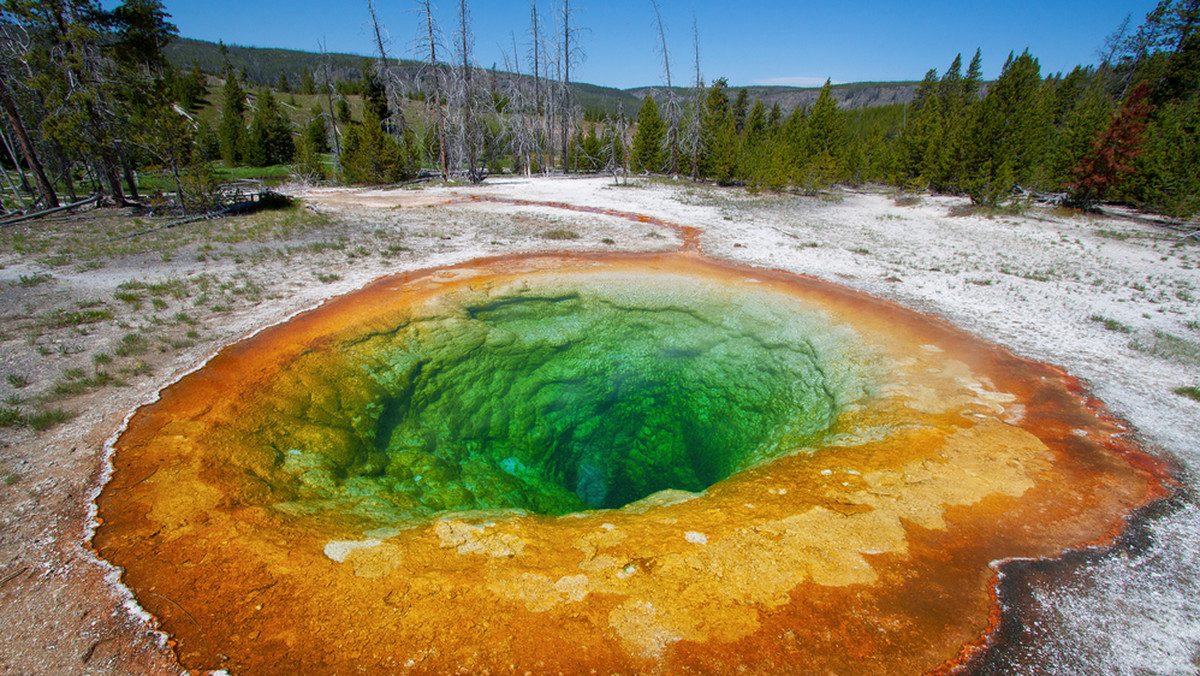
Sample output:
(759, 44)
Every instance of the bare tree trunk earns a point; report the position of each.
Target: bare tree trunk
(697, 104)
(516, 118)
(20, 172)
(541, 132)
(17, 196)
(12, 154)
(49, 198)
(672, 138)
(437, 98)
(565, 112)
(391, 83)
(130, 176)
(107, 168)
(469, 135)
(67, 178)
(333, 128)
(383, 61)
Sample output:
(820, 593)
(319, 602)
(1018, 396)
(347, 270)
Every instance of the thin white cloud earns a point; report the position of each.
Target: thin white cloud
(798, 81)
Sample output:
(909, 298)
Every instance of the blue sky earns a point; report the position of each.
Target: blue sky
(773, 42)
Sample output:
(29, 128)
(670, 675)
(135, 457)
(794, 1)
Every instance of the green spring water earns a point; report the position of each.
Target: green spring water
(561, 398)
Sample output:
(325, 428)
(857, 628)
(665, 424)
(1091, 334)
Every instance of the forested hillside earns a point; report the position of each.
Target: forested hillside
(264, 67)
(111, 101)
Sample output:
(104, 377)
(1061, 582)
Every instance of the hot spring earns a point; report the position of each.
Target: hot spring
(559, 396)
(614, 462)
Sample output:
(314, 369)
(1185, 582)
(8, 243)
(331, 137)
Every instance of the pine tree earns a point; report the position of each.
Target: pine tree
(307, 86)
(166, 139)
(374, 94)
(316, 132)
(774, 119)
(1167, 175)
(921, 145)
(740, 107)
(1181, 76)
(372, 156)
(823, 144)
(232, 130)
(1113, 151)
(309, 167)
(270, 140)
(754, 140)
(589, 153)
(927, 88)
(189, 89)
(950, 89)
(974, 79)
(719, 159)
(648, 139)
(1007, 140)
(1082, 125)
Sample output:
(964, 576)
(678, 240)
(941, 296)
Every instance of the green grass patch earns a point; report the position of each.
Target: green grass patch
(45, 419)
(325, 278)
(30, 281)
(10, 416)
(131, 298)
(17, 380)
(64, 318)
(139, 368)
(175, 288)
(1167, 346)
(560, 234)
(76, 384)
(278, 173)
(132, 344)
(1111, 324)
(1192, 393)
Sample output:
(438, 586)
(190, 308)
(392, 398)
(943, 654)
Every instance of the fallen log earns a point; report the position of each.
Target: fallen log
(47, 212)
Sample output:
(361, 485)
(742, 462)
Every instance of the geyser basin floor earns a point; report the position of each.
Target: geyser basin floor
(278, 511)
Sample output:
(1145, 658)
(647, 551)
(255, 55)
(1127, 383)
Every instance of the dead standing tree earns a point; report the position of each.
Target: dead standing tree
(45, 191)
(540, 111)
(468, 130)
(428, 40)
(671, 105)
(14, 44)
(569, 53)
(334, 132)
(518, 120)
(695, 139)
(392, 80)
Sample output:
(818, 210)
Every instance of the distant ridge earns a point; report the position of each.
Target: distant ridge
(263, 66)
(848, 96)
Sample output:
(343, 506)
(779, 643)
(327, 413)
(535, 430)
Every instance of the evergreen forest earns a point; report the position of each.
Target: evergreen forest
(92, 107)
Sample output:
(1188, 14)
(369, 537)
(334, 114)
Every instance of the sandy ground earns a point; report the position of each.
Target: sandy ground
(1114, 301)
